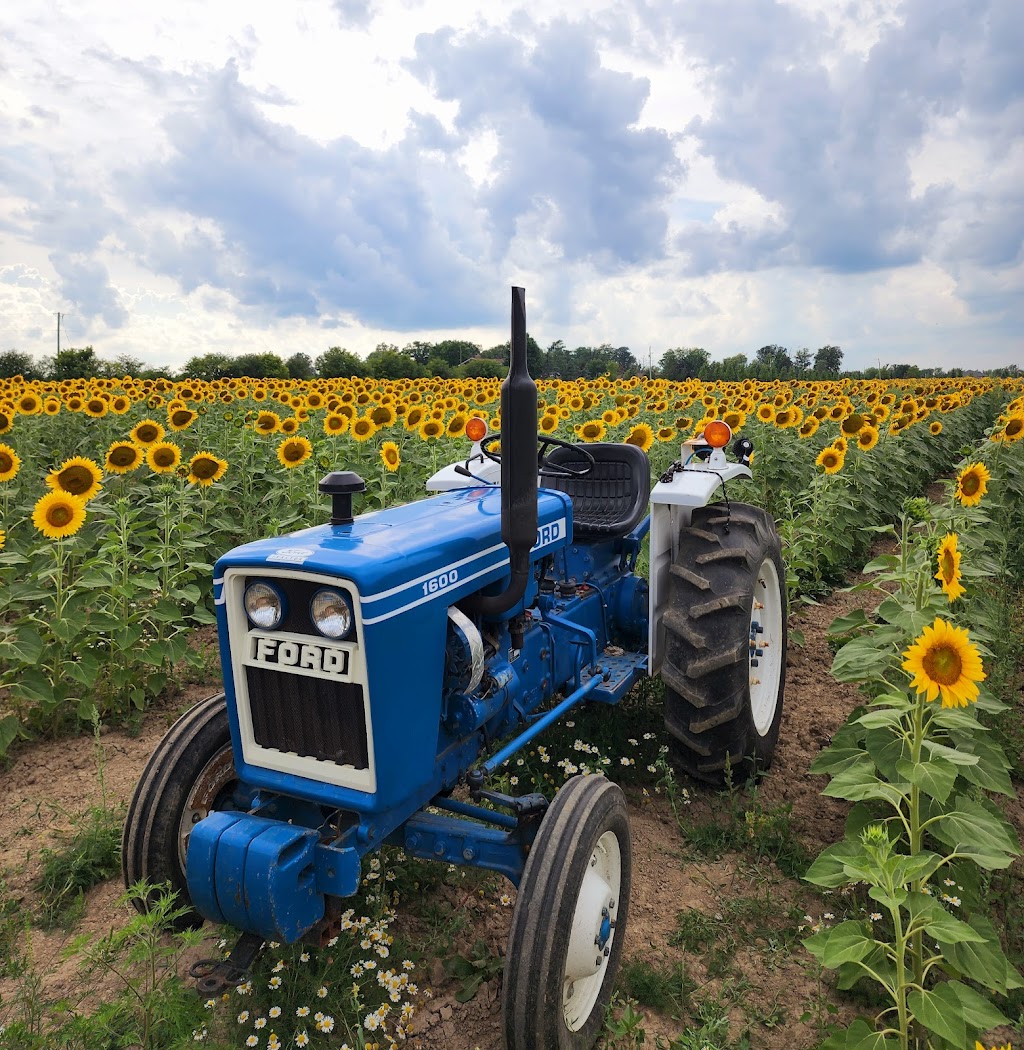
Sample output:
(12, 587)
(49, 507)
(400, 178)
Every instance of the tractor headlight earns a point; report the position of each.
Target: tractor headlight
(264, 606)
(331, 613)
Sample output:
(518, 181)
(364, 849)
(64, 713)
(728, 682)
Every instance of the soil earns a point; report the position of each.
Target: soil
(772, 984)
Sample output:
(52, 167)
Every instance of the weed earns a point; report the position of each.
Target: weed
(665, 988)
(623, 1026)
(473, 970)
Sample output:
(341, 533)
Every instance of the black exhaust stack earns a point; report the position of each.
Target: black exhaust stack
(518, 467)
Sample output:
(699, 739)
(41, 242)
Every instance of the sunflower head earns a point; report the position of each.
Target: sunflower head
(593, 430)
(77, 477)
(293, 451)
(163, 457)
(181, 418)
(948, 573)
(123, 456)
(944, 662)
(335, 423)
(363, 428)
(10, 463)
(972, 484)
(267, 423)
(641, 435)
(58, 514)
(205, 468)
(830, 459)
(390, 456)
(148, 432)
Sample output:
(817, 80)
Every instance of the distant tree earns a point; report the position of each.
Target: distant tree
(482, 367)
(75, 363)
(731, 368)
(828, 361)
(388, 362)
(300, 366)
(15, 363)
(773, 361)
(339, 363)
(627, 363)
(455, 351)
(802, 361)
(208, 366)
(438, 366)
(535, 357)
(259, 366)
(685, 363)
(421, 352)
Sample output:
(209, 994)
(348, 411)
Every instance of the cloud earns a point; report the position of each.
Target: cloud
(85, 283)
(354, 14)
(826, 137)
(570, 158)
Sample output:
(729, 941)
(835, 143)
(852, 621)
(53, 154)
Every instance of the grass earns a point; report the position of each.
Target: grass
(664, 988)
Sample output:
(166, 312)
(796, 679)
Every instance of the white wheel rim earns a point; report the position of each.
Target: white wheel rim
(765, 646)
(593, 931)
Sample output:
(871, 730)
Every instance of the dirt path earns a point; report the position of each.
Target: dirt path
(768, 982)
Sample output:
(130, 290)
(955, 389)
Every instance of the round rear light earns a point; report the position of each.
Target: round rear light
(476, 428)
(717, 433)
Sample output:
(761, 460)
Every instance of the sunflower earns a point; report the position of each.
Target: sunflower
(935, 427)
(10, 463)
(808, 427)
(3, 539)
(363, 428)
(205, 468)
(831, 459)
(593, 430)
(666, 433)
(943, 660)
(867, 438)
(163, 457)
(181, 418)
(120, 405)
(123, 456)
(293, 451)
(949, 567)
(641, 435)
(433, 428)
(58, 514)
(335, 423)
(77, 477)
(852, 425)
(6, 420)
(390, 456)
(766, 413)
(148, 432)
(290, 424)
(383, 415)
(51, 406)
(414, 417)
(456, 425)
(30, 404)
(972, 484)
(1013, 431)
(267, 423)
(96, 407)
(548, 423)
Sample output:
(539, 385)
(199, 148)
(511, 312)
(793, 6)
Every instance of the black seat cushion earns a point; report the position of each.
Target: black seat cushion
(611, 500)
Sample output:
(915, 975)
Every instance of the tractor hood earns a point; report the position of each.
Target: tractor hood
(398, 557)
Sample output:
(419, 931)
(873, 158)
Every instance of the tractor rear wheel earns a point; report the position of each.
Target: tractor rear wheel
(725, 633)
(569, 921)
(190, 774)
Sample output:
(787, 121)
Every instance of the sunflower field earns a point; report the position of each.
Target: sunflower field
(116, 496)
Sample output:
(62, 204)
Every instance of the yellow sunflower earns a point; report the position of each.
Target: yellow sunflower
(808, 427)
(58, 514)
(10, 463)
(548, 423)
(148, 432)
(944, 661)
(935, 427)
(830, 459)
(293, 451)
(77, 477)
(363, 428)
(390, 456)
(267, 423)
(1013, 431)
(431, 428)
(181, 418)
(123, 456)
(456, 425)
(163, 457)
(3, 539)
(852, 425)
(29, 404)
(289, 424)
(6, 420)
(593, 430)
(949, 567)
(867, 438)
(205, 468)
(51, 406)
(972, 484)
(641, 435)
(96, 407)
(335, 423)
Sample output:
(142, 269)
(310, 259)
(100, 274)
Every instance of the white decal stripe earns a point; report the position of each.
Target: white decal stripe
(219, 601)
(218, 581)
(430, 575)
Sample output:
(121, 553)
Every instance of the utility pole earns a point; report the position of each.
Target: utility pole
(59, 316)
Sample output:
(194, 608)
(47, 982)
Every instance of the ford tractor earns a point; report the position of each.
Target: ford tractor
(380, 669)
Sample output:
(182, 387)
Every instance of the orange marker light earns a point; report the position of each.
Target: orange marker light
(717, 433)
(476, 428)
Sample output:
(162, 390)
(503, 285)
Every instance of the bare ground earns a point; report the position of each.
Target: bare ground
(768, 987)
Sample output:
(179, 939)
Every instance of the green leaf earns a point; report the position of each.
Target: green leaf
(877, 893)
(973, 831)
(883, 562)
(65, 629)
(860, 660)
(983, 961)
(84, 670)
(859, 785)
(190, 594)
(951, 754)
(830, 867)
(852, 621)
(880, 719)
(978, 1013)
(846, 942)
(201, 615)
(94, 579)
(940, 924)
(10, 729)
(886, 749)
(26, 646)
(939, 1011)
(834, 759)
(935, 778)
(917, 867)
(991, 771)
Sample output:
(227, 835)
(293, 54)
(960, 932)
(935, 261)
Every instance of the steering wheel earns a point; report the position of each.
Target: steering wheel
(545, 468)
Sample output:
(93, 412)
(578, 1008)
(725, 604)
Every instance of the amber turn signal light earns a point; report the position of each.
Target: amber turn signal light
(476, 428)
(717, 433)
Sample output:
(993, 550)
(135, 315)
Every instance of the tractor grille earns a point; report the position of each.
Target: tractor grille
(308, 716)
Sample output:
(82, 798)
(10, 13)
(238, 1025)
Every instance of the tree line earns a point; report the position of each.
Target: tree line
(459, 358)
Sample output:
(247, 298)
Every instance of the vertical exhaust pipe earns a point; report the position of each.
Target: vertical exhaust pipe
(518, 467)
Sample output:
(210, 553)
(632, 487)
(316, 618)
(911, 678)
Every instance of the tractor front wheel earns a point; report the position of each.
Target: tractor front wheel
(190, 774)
(725, 632)
(570, 916)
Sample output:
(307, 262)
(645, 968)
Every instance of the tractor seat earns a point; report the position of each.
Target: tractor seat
(611, 500)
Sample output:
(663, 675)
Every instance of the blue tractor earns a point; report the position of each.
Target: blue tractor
(379, 669)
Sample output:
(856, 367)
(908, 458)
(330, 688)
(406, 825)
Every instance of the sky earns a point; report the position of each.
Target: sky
(240, 177)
